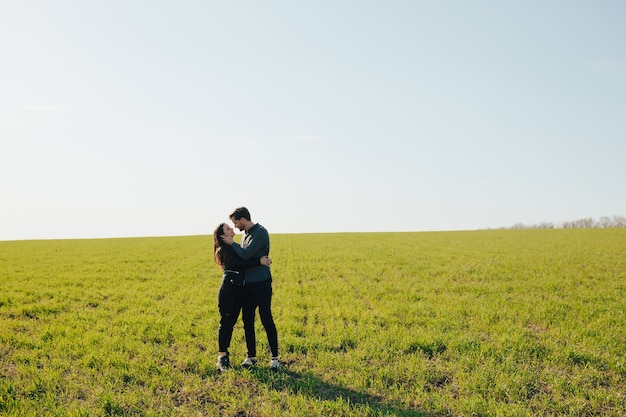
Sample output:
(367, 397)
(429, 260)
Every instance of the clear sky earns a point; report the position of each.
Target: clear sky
(147, 118)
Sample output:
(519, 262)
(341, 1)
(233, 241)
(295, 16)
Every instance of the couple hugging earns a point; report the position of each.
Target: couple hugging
(246, 285)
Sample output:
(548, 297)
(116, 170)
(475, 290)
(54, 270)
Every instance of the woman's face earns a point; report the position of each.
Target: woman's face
(229, 231)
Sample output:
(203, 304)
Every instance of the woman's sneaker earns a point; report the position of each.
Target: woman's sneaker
(223, 363)
(248, 362)
(274, 364)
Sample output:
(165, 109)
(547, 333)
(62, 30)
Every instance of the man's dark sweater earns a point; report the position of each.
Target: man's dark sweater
(255, 244)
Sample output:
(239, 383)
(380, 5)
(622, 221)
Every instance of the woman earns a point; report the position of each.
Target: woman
(229, 299)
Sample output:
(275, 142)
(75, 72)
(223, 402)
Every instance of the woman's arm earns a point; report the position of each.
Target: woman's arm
(238, 262)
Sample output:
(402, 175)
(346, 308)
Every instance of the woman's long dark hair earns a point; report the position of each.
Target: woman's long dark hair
(222, 253)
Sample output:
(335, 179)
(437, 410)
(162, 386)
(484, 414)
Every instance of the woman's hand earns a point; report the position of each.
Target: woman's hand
(266, 260)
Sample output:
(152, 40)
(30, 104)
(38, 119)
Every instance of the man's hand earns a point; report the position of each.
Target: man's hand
(227, 239)
(266, 260)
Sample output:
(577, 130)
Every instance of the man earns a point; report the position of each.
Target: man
(257, 290)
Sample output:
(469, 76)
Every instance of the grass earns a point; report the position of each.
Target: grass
(486, 323)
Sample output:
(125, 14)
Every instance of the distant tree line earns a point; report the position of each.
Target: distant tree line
(586, 223)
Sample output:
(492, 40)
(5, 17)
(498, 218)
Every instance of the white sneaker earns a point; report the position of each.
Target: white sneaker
(275, 364)
(223, 363)
(248, 362)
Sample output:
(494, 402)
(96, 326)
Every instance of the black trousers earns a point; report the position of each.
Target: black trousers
(259, 295)
(229, 302)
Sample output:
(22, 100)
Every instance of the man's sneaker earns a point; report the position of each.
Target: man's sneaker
(275, 364)
(223, 363)
(248, 362)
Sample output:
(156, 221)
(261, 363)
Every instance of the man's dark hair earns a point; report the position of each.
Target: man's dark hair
(239, 213)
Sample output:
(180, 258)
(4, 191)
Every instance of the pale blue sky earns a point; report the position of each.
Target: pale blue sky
(144, 118)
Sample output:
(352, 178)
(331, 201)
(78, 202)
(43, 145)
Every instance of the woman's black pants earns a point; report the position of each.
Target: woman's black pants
(229, 301)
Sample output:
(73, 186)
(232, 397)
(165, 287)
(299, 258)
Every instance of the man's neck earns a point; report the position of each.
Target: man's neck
(248, 226)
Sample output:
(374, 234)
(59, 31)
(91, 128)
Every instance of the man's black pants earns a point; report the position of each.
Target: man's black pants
(259, 294)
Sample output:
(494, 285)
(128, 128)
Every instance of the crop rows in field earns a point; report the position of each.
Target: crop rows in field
(527, 322)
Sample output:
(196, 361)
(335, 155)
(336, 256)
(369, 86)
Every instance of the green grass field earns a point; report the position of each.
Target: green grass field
(485, 323)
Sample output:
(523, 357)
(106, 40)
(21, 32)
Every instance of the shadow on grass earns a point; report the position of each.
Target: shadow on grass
(308, 384)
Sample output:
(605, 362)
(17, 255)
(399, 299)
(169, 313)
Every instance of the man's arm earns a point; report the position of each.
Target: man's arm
(260, 240)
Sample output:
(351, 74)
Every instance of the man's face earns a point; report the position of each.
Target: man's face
(238, 224)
